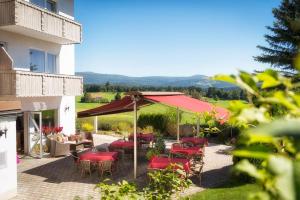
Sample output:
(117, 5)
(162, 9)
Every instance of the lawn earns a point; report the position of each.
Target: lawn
(230, 191)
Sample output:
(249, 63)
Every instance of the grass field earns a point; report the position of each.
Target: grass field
(230, 191)
(128, 116)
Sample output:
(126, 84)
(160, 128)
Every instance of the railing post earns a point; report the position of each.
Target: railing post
(63, 28)
(42, 21)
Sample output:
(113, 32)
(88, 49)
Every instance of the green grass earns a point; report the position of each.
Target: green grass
(230, 191)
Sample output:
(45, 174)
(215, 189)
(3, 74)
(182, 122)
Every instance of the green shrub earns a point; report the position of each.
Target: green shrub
(105, 126)
(87, 127)
(103, 100)
(157, 121)
(151, 153)
(121, 190)
(163, 184)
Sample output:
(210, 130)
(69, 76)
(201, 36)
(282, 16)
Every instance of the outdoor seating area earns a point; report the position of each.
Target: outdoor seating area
(64, 173)
(95, 161)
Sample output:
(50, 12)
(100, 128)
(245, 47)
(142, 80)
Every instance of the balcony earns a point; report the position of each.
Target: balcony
(30, 84)
(18, 83)
(24, 18)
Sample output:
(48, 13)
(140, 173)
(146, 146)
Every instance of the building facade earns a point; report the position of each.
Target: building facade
(37, 66)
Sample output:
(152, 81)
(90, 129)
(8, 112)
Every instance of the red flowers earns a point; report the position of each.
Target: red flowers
(46, 130)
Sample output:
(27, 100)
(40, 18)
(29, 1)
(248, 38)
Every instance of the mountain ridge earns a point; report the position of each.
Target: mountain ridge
(154, 81)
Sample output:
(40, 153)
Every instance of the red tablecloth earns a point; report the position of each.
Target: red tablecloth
(143, 136)
(99, 156)
(195, 140)
(186, 150)
(121, 144)
(162, 163)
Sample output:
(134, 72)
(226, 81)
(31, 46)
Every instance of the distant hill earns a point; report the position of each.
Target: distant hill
(156, 81)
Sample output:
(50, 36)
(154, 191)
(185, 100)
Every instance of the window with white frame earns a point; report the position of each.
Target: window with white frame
(41, 61)
(50, 5)
(51, 64)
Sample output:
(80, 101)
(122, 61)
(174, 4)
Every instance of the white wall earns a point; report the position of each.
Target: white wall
(18, 47)
(66, 115)
(67, 60)
(65, 107)
(8, 174)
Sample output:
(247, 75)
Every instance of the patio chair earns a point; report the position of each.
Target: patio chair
(105, 166)
(59, 149)
(85, 166)
(197, 169)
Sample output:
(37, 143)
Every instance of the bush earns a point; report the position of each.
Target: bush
(157, 121)
(163, 184)
(151, 153)
(87, 127)
(105, 127)
(103, 100)
(122, 127)
(159, 147)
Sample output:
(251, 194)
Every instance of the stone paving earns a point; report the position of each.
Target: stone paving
(58, 178)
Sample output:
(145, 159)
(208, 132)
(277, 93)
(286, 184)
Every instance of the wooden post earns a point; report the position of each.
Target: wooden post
(134, 137)
(178, 127)
(96, 124)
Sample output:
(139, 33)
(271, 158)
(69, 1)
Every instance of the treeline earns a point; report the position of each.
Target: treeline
(195, 92)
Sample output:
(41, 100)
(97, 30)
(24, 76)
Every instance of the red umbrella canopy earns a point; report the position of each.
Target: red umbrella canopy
(191, 104)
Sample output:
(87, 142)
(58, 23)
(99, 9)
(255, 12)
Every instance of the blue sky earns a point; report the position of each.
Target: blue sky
(171, 37)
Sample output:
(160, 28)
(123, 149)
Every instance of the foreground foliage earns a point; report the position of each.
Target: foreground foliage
(163, 184)
(272, 147)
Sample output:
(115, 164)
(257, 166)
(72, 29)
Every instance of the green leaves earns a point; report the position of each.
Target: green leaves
(269, 79)
(271, 150)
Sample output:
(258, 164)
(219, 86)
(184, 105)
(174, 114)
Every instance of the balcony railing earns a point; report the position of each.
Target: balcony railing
(31, 84)
(25, 18)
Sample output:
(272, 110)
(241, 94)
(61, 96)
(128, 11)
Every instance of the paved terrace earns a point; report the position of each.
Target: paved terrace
(58, 179)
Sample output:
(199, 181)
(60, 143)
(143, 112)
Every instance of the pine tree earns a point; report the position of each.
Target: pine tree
(285, 38)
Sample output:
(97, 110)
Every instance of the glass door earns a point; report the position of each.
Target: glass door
(35, 135)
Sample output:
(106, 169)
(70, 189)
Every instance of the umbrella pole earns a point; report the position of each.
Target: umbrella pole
(134, 137)
(178, 128)
(96, 124)
(198, 125)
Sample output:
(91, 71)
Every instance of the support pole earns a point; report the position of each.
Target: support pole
(96, 124)
(198, 125)
(41, 135)
(134, 137)
(178, 127)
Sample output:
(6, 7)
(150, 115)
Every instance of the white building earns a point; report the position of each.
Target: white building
(37, 67)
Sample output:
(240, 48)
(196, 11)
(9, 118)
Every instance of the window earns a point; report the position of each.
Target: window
(41, 61)
(51, 5)
(40, 3)
(51, 64)
(47, 4)
(37, 61)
